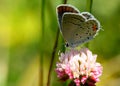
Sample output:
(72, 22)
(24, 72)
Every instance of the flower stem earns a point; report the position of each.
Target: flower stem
(89, 9)
(53, 56)
(89, 5)
(64, 1)
(53, 53)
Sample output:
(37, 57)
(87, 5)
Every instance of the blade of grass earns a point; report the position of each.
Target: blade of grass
(89, 5)
(42, 40)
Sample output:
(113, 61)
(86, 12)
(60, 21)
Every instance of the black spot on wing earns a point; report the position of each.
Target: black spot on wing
(76, 34)
(67, 45)
(88, 38)
(90, 34)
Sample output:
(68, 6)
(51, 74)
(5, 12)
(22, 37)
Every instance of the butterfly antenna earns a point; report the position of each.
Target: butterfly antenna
(101, 28)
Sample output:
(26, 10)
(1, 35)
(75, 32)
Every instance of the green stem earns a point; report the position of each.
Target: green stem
(89, 4)
(64, 1)
(53, 53)
(53, 57)
(42, 40)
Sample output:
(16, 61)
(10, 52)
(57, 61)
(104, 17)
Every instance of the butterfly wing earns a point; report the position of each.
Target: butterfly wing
(93, 26)
(72, 28)
(63, 8)
(87, 15)
(76, 29)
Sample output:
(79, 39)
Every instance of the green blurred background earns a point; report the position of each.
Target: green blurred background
(21, 44)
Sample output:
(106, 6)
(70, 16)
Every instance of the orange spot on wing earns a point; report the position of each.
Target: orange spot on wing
(94, 27)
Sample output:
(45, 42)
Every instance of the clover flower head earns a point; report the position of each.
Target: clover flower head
(80, 66)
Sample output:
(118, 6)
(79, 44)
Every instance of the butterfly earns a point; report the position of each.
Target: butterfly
(76, 28)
